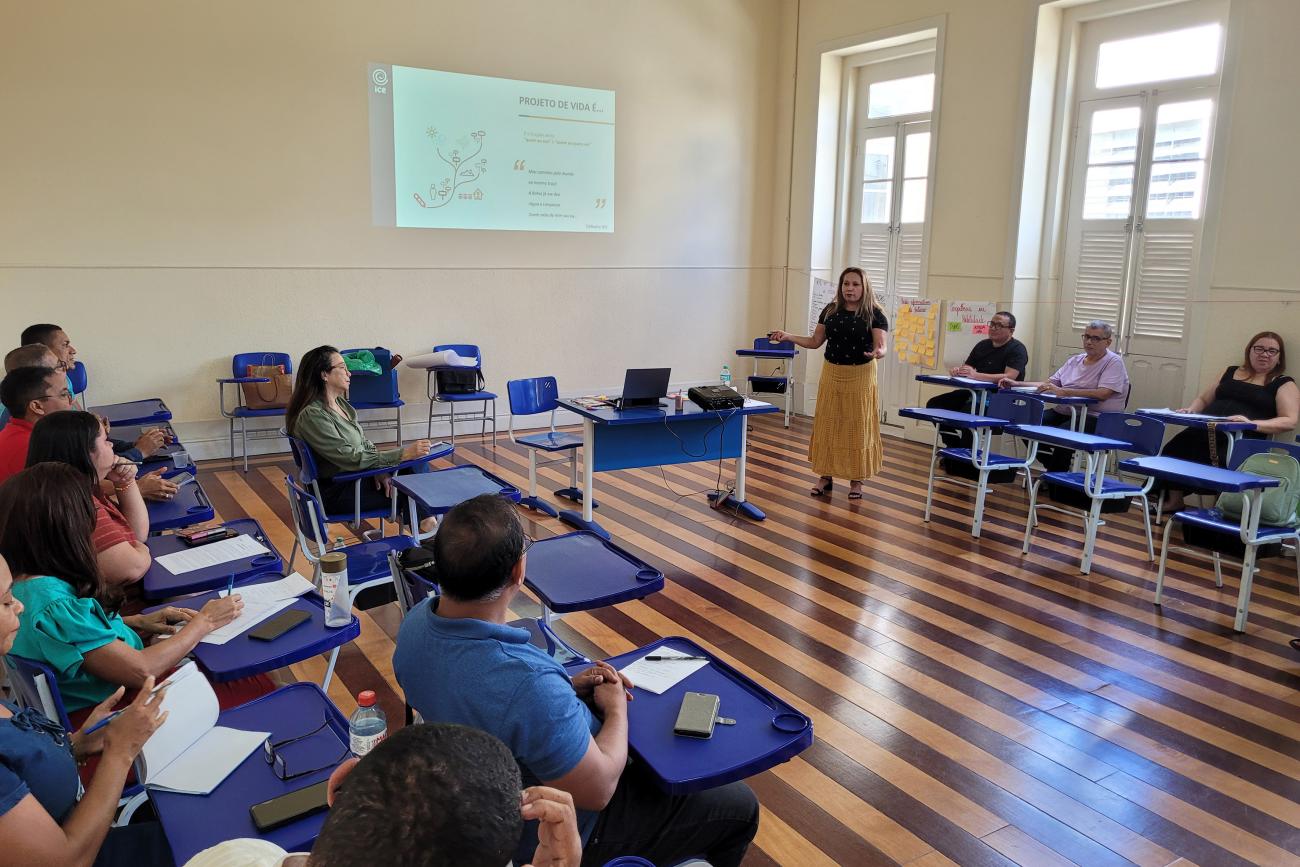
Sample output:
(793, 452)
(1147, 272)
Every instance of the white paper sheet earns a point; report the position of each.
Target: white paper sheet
(252, 615)
(208, 761)
(659, 677)
(1193, 415)
(214, 554)
(191, 707)
(750, 402)
(290, 587)
(966, 380)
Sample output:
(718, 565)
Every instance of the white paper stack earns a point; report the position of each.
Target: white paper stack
(260, 602)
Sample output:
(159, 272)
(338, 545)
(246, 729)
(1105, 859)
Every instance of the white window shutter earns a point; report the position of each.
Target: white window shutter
(1098, 276)
(1163, 283)
(907, 260)
(873, 255)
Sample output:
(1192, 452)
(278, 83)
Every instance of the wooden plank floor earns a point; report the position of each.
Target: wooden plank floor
(972, 705)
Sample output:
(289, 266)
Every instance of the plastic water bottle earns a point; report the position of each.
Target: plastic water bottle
(333, 572)
(726, 376)
(367, 726)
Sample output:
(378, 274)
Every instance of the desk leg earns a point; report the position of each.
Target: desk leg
(737, 500)
(572, 518)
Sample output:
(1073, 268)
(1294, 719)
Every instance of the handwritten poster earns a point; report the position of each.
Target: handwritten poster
(823, 293)
(916, 330)
(966, 324)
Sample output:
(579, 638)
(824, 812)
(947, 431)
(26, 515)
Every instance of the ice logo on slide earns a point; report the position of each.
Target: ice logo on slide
(464, 170)
(379, 77)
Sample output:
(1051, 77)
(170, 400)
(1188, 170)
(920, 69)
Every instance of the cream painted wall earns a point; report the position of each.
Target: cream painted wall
(170, 165)
(1256, 273)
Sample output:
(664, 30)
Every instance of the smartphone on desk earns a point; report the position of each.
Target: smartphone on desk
(182, 480)
(290, 806)
(278, 625)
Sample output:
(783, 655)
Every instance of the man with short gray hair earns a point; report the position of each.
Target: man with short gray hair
(1098, 373)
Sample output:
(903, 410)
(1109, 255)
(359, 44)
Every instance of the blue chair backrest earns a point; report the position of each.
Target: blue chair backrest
(1143, 433)
(531, 396)
(308, 509)
(762, 343)
(1015, 407)
(239, 364)
(464, 350)
(24, 676)
(303, 459)
(375, 389)
(78, 377)
(1245, 448)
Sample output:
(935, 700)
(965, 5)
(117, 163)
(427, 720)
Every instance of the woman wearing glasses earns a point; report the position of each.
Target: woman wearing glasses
(1256, 390)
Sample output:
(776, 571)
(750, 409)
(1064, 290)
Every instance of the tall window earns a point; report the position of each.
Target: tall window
(888, 190)
(1148, 89)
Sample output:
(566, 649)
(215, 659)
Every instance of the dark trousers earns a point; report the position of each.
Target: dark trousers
(955, 401)
(716, 824)
(1056, 459)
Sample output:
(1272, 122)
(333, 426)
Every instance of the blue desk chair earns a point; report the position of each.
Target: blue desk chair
(36, 686)
(464, 350)
(978, 466)
(779, 381)
(241, 413)
(1089, 493)
(79, 379)
(367, 561)
(532, 397)
(1218, 534)
(378, 392)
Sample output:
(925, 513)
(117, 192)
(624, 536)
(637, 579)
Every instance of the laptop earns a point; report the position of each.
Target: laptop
(644, 387)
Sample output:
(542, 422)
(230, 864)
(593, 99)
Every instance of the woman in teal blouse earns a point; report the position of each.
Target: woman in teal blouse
(69, 619)
(319, 414)
(44, 818)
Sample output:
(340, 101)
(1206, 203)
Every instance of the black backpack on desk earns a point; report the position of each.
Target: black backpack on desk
(466, 380)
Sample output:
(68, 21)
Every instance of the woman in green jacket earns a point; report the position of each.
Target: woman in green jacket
(320, 415)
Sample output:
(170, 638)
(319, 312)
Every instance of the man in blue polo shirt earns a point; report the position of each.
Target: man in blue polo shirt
(458, 662)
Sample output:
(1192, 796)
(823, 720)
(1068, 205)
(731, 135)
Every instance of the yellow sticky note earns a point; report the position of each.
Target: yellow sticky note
(928, 343)
(913, 358)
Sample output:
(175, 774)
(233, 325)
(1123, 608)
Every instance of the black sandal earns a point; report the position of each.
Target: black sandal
(1295, 644)
(823, 490)
(856, 495)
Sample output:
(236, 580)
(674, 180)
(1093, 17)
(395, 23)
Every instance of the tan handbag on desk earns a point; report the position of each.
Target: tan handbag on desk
(267, 395)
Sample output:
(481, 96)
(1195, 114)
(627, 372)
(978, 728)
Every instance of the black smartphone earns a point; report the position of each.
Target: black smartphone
(278, 625)
(698, 714)
(290, 806)
(204, 537)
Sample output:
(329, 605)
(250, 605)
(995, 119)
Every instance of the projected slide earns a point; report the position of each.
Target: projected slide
(452, 151)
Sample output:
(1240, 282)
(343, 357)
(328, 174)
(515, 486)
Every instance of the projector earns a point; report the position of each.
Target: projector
(716, 397)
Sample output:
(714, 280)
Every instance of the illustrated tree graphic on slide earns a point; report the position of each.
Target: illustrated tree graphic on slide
(464, 170)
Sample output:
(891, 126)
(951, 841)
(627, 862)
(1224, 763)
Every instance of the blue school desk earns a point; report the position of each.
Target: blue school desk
(767, 731)
(978, 388)
(614, 439)
(147, 411)
(190, 506)
(440, 490)
(581, 571)
(192, 823)
(158, 583)
(1234, 429)
(242, 656)
(166, 457)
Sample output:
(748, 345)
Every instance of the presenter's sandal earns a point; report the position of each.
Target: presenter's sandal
(855, 490)
(824, 489)
(1295, 644)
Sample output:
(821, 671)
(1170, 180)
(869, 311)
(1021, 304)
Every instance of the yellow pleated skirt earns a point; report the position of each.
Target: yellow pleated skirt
(846, 429)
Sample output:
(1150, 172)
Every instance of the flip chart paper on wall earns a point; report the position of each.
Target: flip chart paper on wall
(823, 293)
(915, 328)
(966, 323)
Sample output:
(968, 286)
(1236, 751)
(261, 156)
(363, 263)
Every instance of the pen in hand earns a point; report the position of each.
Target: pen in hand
(230, 586)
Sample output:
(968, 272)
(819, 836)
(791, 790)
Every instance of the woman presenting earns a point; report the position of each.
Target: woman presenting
(846, 430)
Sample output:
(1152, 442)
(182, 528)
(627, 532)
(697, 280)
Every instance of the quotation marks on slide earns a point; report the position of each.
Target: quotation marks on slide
(600, 203)
(379, 77)
(520, 165)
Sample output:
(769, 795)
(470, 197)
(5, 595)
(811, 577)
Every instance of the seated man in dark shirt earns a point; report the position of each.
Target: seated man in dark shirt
(998, 356)
(458, 662)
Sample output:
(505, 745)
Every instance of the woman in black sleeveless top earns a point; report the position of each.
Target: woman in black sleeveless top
(1257, 390)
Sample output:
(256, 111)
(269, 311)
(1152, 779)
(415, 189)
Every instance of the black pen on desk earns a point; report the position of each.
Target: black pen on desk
(654, 658)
